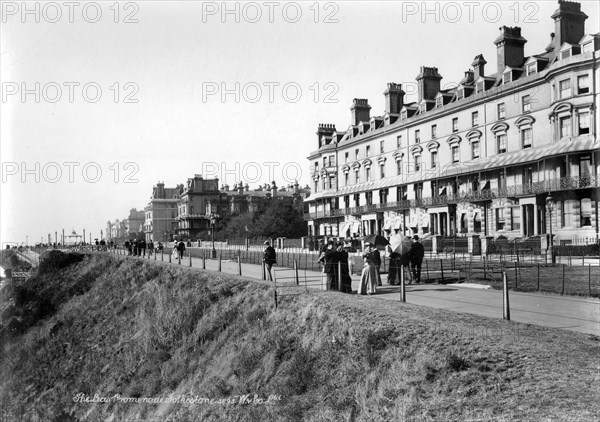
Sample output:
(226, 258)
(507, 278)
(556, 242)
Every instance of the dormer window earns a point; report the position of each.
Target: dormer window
(403, 115)
(588, 47)
(506, 78)
(565, 54)
(531, 68)
(439, 102)
(460, 93)
(422, 107)
(480, 86)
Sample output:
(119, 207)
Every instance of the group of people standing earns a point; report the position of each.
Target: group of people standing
(411, 261)
(336, 267)
(137, 247)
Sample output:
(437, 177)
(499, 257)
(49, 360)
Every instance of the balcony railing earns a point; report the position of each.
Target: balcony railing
(552, 185)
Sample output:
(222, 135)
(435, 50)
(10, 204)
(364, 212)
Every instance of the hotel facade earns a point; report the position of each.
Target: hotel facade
(511, 152)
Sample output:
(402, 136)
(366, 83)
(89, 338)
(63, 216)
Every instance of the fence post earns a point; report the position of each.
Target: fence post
(538, 277)
(484, 269)
(590, 278)
(161, 255)
(402, 285)
(190, 255)
(203, 259)
(219, 268)
(171, 254)
(264, 271)
(505, 303)
(516, 276)
(296, 272)
(239, 265)
(427, 270)
(442, 269)
(339, 280)
(563, 280)
(155, 255)
(274, 286)
(178, 258)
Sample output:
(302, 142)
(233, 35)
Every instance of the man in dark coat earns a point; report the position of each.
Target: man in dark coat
(142, 246)
(417, 252)
(327, 258)
(269, 258)
(341, 262)
(377, 263)
(180, 249)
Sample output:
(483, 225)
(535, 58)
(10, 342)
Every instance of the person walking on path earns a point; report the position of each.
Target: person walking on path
(327, 258)
(368, 278)
(180, 249)
(269, 259)
(417, 252)
(150, 248)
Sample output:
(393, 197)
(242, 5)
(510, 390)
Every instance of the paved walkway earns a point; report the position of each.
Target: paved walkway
(548, 310)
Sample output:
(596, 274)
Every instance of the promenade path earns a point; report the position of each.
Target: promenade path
(565, 312)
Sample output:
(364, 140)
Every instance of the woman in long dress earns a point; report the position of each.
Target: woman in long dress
(368, 278)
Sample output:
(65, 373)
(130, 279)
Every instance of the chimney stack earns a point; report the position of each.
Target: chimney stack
(324, 129)
(428, 81)
(569, 23)
(479, 65)
(394, 98)
(510, 48)
(360, 111)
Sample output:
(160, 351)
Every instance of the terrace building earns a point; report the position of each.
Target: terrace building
(480, 159)
(161, 213)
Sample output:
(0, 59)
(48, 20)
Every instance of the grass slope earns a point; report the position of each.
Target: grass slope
(144, 330)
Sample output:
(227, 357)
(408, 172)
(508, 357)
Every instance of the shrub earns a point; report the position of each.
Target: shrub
(56, 260)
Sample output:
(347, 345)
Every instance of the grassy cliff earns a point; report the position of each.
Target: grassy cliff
(126, 340)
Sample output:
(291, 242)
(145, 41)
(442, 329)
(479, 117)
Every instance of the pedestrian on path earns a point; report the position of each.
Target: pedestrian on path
(417, 252)
(269, 259)
(180, 249)
(368, 278)
(327, 258)
(341, 257)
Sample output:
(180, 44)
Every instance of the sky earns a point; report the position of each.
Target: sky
(102, 100)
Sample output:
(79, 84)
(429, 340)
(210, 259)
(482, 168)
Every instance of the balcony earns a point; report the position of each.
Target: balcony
(192, 216)
(515, 191)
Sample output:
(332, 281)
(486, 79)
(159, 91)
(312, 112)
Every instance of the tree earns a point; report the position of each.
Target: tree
(281, 219)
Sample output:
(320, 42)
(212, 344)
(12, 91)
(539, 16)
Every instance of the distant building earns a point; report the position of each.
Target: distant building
(241, 199)
(477, 159)
(161, 213)
(193, 219)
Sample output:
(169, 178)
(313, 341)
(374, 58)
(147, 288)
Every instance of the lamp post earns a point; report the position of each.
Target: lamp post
(550, 207)
(246, 230)
(213, 218)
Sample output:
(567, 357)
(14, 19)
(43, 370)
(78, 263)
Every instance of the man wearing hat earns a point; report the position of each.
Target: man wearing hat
(417, 252)
(328, 259)
(269, 258)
